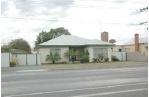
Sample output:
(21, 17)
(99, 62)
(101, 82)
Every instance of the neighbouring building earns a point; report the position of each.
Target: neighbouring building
(64, 43)
(104, 36)
(134, 45)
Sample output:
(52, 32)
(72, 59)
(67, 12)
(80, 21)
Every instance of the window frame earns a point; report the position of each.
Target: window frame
(97, 51)
(55, 50)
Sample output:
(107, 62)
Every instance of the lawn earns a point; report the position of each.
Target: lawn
(94, 65)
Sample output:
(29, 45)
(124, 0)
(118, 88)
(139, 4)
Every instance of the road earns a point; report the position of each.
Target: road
(116, 82)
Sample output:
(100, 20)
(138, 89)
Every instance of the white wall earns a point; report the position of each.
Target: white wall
(135, 56)
(21, 58)
(46, 51)
(63, 51)
(109, 53)
(90, 49)
(5, 59)
(120, 55)
(43, 52)
(38, 59)
(31, 59)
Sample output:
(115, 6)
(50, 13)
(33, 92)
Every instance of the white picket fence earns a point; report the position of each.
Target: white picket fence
(22, 59)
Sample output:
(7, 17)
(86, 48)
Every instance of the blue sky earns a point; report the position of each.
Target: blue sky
(84, 18)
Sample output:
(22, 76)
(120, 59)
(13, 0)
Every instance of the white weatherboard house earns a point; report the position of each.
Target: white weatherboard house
(64, 43)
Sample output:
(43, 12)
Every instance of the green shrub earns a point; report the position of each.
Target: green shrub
(95, 60)
(85, 57)
(63, 62)
(13, 64)
(114, 58)
(84, 61)
(101, 56)
(106, 59)
(53, 57)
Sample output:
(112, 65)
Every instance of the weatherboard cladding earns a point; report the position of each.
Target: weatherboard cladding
(71, 40)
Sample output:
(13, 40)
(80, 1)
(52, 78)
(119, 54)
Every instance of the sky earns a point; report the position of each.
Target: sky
(84, 18)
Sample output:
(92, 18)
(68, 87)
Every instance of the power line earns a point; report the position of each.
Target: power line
(77, 6)
(97, 1)
(52, 20)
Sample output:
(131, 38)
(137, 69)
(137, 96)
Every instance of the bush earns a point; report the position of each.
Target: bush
(13, 64)
(114, 58)
(85, 57)
(95, 60)
(101, 56)
(106, 59)
(53, 57)
(63, 62)
(84, 60)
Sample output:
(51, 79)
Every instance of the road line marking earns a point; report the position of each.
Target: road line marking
(72, 90)
(107, 93)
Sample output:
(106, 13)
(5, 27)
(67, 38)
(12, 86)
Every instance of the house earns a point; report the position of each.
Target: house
(64, 43)
(134, 45)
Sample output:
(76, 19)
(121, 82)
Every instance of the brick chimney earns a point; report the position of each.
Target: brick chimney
(136, 42)
(104, 36)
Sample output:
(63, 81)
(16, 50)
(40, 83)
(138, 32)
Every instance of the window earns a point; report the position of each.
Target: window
(55, 50)
(120, 50)
(97, 51)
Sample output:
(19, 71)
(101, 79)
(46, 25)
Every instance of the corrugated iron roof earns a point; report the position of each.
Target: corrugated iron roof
(141, 40)
(71, 40)
(131, 41)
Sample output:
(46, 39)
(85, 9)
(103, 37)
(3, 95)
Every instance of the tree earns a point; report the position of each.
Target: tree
(53, 57)
(53, 33)
(5, 48)
(58, 32)
(43, 37)
(112, 40)
(20, 44)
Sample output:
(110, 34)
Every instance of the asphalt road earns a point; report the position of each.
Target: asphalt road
(116, 82)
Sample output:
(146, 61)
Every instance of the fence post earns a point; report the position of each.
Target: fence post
(9, 59)
(36, 59)
(121, 56)
(26, 59)
(126, 56)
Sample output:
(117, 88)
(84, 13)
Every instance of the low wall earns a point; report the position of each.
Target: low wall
(22, 59)
(135, 56)
(120, 55)
(5, 59)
